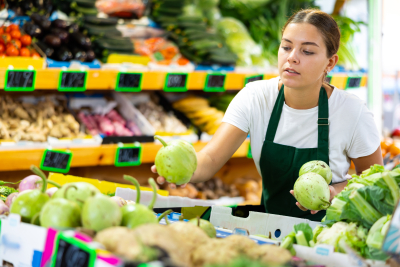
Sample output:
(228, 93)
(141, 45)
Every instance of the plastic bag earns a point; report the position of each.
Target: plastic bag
(122, 8)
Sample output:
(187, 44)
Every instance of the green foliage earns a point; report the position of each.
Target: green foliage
(5, 191)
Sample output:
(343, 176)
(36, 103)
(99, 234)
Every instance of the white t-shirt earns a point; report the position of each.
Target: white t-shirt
(352, 130)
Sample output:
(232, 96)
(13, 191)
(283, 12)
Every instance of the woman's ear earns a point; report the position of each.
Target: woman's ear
(332, 62)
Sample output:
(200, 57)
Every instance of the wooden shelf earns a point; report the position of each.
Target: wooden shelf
(48, 79)
(18, 160)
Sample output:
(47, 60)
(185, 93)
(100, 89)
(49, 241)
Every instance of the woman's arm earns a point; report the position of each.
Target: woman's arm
(364, 163)
(216, 153)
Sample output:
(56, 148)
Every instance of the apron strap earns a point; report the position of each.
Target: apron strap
(323, 127)
(275, 116)
(323, 123)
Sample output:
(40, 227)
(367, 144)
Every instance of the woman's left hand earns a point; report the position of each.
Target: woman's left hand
(332, 191)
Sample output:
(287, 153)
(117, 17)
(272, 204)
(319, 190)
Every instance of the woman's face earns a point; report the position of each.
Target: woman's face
(302, 56)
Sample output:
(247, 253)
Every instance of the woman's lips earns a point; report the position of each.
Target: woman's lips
(291, 73)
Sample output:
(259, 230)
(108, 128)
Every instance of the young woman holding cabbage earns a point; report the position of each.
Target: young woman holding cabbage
(296, 118)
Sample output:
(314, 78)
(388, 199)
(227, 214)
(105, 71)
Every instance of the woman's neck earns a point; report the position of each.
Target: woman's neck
(304, 98)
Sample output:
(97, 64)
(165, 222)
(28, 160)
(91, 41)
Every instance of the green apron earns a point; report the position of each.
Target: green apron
(280, 164)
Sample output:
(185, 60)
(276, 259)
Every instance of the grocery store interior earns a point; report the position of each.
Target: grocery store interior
(93, 93)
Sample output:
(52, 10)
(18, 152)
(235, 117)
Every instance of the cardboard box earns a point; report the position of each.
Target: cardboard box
(22, 244)
(256, 223)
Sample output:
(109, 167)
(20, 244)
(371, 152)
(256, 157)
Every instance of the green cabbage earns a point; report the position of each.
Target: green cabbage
(228, 25)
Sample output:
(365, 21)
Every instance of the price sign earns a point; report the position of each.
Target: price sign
(215, 83)
(56, 161)
(70, 252)
(328, 79)
(20, 80)
(253, 79)
(353, 82)
(72, 81)
(176, 82)
(128, 155)
(129, 82)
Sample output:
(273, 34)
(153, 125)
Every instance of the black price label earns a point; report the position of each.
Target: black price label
(56, 161)
(129, 82)
(253, 79)
(353, 82)
(215, 83)
(128, 156)
(20, 80)
(328, 79)
(70, 252)
(72, 81)
(176, 82)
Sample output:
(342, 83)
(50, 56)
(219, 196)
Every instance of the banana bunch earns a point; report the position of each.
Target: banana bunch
(198, 110)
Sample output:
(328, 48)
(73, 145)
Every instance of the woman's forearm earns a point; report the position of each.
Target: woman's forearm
(206, 168)
(337, 188)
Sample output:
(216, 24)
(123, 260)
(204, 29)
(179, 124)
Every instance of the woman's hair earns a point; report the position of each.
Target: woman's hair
(324, 23)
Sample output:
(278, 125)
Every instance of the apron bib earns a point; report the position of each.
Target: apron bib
(280, 164)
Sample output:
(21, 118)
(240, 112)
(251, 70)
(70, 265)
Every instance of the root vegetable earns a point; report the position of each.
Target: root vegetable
(60, 213)
(21, 113)
(193, 235)
(318, 167)
(10, 199)
(119, 200)
(270, 254)
(79, 192)
(29, 182)
(176, 161)
(50, 192)
(100, 212)
(4, 210)
(29, 204)
(205, 225)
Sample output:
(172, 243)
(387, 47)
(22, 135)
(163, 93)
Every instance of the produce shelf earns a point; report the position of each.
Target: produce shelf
(104, 155)
(48, 79)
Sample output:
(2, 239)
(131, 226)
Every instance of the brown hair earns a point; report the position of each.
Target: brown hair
(324, 23)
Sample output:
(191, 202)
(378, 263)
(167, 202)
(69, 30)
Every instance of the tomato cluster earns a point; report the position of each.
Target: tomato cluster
(13, 43)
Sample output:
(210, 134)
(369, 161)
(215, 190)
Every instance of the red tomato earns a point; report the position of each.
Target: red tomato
(13, 27)
(26, 40)
(16, 34)
(12, 51)
(2, 48)
(35, 55)
(24, 52)
(396, 132)
(15, 43)
(2, 55)
(1, 30)
(5, 38)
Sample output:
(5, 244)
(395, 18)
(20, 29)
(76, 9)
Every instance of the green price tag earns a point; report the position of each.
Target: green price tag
(253, 79)
(128, 155)
(176, 82)
(56, 161)
(215, 82)
(20, 80)
(353, 82)
(71, 252)
(249, 155)
(328, 79)
(129, 82)
(72, 81)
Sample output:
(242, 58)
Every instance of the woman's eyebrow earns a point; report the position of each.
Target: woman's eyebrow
(305, 43)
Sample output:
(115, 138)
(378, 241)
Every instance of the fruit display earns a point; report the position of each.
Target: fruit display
(46, 117)
(59, 39)
(197, 41)
(359, 215)
(198, 110)
(13, 43)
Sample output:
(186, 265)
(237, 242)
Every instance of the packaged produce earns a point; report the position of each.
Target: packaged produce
(122, 8)
(24, 119)
(176, 161)
(197, 109)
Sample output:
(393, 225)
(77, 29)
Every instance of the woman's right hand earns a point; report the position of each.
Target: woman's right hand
(161, 180)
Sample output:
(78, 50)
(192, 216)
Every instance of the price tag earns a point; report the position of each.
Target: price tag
(128, 155)
(20, 80)
(253, 79)
(241, 231)
(353, 82)
(249, 155)
(176, 82)
(56, 161)
(72, 81)
(129, 82)
(215, 83)
(328, 79)
(70, 252)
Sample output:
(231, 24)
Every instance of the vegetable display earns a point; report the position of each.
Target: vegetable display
(13, 43)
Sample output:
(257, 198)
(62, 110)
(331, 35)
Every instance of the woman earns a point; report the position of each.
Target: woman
(296, 118)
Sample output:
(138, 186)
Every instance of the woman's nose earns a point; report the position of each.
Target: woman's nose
(293, 57)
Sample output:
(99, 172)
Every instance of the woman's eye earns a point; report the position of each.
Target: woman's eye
(285, 48)
(308, 53)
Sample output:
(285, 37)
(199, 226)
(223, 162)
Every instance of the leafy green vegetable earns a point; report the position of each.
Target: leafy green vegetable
(377, 232)
(369, 215)
(306, 229)
(317, 230)
(5, 191)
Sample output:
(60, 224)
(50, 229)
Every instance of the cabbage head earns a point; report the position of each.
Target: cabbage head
(228, 25)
